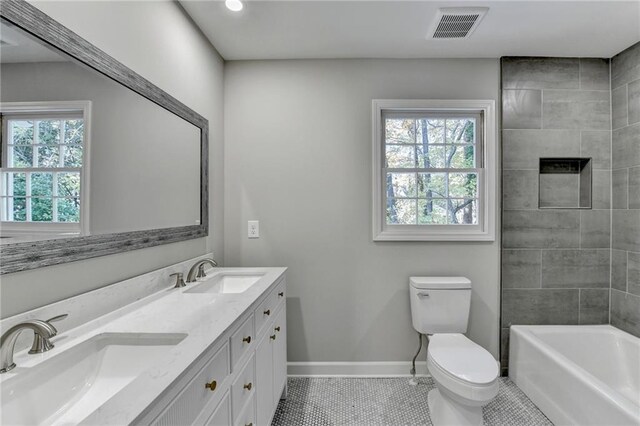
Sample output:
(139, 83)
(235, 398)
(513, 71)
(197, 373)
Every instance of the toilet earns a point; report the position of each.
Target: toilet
(465, 374)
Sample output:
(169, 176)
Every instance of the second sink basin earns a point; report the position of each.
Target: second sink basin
(227, 282)
(68, 387)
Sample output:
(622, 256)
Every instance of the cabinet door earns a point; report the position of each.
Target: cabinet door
(222, 415)
(247, 417)
(201, 394)
(279, 355)
(264, 380)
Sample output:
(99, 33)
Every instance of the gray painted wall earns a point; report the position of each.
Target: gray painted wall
(555, 262)
(625, 271)
(298, 158)
(137, 147)
(173, 54)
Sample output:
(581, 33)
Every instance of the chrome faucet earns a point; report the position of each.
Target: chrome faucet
(43, 332)
(197, 270)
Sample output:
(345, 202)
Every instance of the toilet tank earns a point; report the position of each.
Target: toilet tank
(440, 304)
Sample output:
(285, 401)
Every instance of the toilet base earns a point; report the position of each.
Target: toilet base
(445, 411)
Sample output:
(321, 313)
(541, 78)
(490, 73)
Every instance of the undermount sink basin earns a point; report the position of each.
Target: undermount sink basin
(227, 282)
(68, 387)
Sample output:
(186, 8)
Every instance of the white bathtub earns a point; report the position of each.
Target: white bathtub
(578, 375)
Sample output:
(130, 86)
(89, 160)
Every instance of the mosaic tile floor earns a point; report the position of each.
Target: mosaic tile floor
(392, 401)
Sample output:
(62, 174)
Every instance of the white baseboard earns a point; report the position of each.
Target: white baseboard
(355, 369)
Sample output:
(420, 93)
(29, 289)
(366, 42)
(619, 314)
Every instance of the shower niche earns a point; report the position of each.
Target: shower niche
(564, 183)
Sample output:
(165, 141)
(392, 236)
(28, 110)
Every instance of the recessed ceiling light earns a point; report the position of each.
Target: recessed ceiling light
(234, 5)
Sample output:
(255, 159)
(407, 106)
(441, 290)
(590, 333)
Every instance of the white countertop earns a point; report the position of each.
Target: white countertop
(204, 317)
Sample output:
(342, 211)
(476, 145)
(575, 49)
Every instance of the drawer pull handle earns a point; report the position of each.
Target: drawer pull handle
(247, 339)
(277, 328)
(267, 312)
(248, 386)
(281, 294)
(212, 386)
(273, 337)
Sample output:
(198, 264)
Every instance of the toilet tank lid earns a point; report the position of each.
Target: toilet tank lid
(449, 283)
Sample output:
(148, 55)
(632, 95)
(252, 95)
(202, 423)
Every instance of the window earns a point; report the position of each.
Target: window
(43, 175)
(434, 176)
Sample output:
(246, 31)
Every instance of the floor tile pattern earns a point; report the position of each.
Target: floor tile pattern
(388, 401)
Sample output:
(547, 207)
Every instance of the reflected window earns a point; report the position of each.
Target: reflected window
(42, 176)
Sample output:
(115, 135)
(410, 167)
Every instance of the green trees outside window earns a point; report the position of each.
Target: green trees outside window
(431, 175)
(42, 168)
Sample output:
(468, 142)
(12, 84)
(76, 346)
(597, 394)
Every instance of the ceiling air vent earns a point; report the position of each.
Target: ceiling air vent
(456, 22)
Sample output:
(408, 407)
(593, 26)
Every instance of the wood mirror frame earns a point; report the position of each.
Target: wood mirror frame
(30, 255)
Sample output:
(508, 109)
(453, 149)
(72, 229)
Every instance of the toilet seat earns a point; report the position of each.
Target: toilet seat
(463, 368)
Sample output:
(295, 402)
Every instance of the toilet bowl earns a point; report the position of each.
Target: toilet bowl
(466, 378)
(465, 374)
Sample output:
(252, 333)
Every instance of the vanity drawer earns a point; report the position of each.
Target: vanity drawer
(243, 388)
(204, 389)
(263, 313)
(280, 294)
(248, 416)
(241, 341)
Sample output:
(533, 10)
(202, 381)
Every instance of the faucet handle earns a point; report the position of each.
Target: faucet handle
(179, 280)
(57, 318)
(49, 321)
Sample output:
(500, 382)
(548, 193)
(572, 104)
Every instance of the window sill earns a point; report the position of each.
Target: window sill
(412, 235)
(19, 229)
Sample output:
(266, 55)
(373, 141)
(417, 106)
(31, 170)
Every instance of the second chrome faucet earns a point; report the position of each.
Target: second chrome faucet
(196, 271)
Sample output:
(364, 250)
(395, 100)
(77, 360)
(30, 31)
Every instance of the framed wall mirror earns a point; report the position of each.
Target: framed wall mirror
(95, 160)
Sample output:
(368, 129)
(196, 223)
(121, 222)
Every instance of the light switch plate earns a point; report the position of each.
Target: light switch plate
(253, 229)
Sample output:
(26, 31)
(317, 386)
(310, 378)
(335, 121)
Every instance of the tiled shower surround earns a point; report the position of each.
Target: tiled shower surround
(625, 254)
(555, 262)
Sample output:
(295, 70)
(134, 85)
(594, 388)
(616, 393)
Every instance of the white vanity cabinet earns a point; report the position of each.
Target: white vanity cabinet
(241, 377)
(271, 358)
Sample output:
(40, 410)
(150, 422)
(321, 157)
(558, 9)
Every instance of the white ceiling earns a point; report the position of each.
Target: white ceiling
(397, 29)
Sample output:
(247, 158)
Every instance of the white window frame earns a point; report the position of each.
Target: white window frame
(485, 229)
(11, 228)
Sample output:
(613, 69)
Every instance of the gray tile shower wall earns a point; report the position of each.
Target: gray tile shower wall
(556, 262)
(625, 268)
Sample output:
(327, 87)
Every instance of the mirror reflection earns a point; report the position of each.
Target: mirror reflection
(83, 155)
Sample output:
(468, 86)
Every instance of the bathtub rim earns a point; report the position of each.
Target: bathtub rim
(527, 333)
